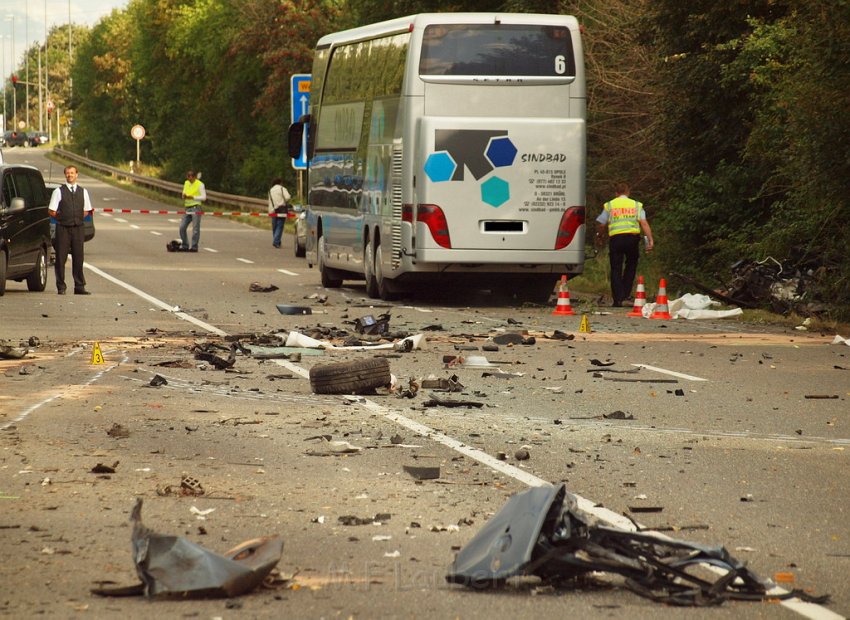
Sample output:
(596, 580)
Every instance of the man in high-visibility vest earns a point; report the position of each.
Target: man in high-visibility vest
(194, 194)
(624, 219)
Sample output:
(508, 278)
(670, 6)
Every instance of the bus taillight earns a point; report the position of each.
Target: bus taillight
(407, 213)
(571, 220)
(433, 217)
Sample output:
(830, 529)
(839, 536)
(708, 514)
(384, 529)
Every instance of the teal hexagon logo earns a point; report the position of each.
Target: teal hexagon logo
(495, 192)
(440, 167)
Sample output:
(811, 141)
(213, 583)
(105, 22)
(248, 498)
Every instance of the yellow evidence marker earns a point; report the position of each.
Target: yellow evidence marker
(96, 355)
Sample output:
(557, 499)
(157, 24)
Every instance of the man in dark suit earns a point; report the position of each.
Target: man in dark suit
(69, 204)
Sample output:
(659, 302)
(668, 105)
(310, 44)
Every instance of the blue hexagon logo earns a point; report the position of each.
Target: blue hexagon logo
(501, 152)
(440, 166)
(495, 192)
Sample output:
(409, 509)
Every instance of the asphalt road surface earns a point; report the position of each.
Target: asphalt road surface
(714, 432)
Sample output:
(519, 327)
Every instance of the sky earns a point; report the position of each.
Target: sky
(26, 18)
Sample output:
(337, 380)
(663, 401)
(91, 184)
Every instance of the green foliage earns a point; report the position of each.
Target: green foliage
(209, 80)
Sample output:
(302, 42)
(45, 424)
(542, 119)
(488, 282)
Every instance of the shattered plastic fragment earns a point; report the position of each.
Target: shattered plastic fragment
(542, 532)
(173, 567)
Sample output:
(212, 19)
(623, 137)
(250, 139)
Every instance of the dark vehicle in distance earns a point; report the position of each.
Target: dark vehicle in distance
(15, 138)
(24, 227)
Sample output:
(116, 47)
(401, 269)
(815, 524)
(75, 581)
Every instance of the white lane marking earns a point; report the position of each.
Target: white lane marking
(173, 221)
(672, 373)
(157, 233)
(135, 226)
(155, 301)
(298, 370)
(121, 219)
(245, 260)
(24, 414)
(211, 250)
(289, 273)
(417, 308)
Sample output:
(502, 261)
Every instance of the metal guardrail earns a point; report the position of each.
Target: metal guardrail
(231, 201)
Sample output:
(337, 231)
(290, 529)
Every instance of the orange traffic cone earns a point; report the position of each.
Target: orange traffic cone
(563, 306)
(640, 299)
(662, 311)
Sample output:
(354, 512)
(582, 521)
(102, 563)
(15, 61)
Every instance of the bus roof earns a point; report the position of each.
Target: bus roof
(414, 22)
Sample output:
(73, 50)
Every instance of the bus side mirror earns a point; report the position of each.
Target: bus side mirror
(296, 134)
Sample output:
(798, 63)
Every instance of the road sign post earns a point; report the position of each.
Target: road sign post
(137, 132)
(300, 105)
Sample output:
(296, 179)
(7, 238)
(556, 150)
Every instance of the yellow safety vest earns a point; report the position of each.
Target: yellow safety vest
(623, 216)
(192, 189)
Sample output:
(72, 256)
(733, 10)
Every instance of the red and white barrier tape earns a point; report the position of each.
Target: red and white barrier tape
(218, 213)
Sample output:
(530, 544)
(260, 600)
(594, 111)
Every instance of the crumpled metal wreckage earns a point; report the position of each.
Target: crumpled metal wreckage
(541, 532)
(174, 567)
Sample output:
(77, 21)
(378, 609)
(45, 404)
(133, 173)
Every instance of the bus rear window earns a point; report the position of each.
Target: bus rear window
(497, 50)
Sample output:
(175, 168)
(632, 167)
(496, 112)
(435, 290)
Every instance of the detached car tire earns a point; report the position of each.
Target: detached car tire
(357, 377)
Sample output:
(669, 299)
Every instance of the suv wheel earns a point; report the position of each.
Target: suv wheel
(37, 280)
(2, 272)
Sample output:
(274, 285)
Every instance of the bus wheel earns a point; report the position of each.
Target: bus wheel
(330, 279)
(369, 270)
(355, 377)
(386, 288)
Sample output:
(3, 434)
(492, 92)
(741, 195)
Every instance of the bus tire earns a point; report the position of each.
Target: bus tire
(355, 377)
(386, 289)
(329, 276)
(369, 270)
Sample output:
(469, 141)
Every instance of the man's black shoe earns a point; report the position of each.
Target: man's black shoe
(61, 291)
(193, 249)
(81, 291)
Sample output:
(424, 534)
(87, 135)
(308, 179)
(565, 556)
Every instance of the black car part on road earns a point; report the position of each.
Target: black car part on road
(356, 377)
(541, 532)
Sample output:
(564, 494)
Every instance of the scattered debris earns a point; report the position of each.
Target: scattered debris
(287, 309)
(378, 519)
(821, 396)
(173, 567)
(372, 326)
(157, 381)
(618, 415)
(436, 401)
(12, 353)
(205, 353)
(502, 374)
(522, 454)
(100, 468)
(451, 384)
(509, 338)
(423, 472)
(118, 432)
(542, 532)
(258, 287)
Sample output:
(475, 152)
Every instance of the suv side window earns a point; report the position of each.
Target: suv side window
(8, 190)
(22, 187)
(37, 190)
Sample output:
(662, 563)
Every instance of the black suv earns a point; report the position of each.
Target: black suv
(24, 227)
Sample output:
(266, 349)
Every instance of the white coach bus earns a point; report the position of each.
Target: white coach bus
(446, 147)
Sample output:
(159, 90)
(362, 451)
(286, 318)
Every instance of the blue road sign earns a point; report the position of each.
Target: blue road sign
(299, 95)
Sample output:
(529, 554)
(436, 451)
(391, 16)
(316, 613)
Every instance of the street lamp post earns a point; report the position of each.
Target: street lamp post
(3, 62)
(11, 17)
